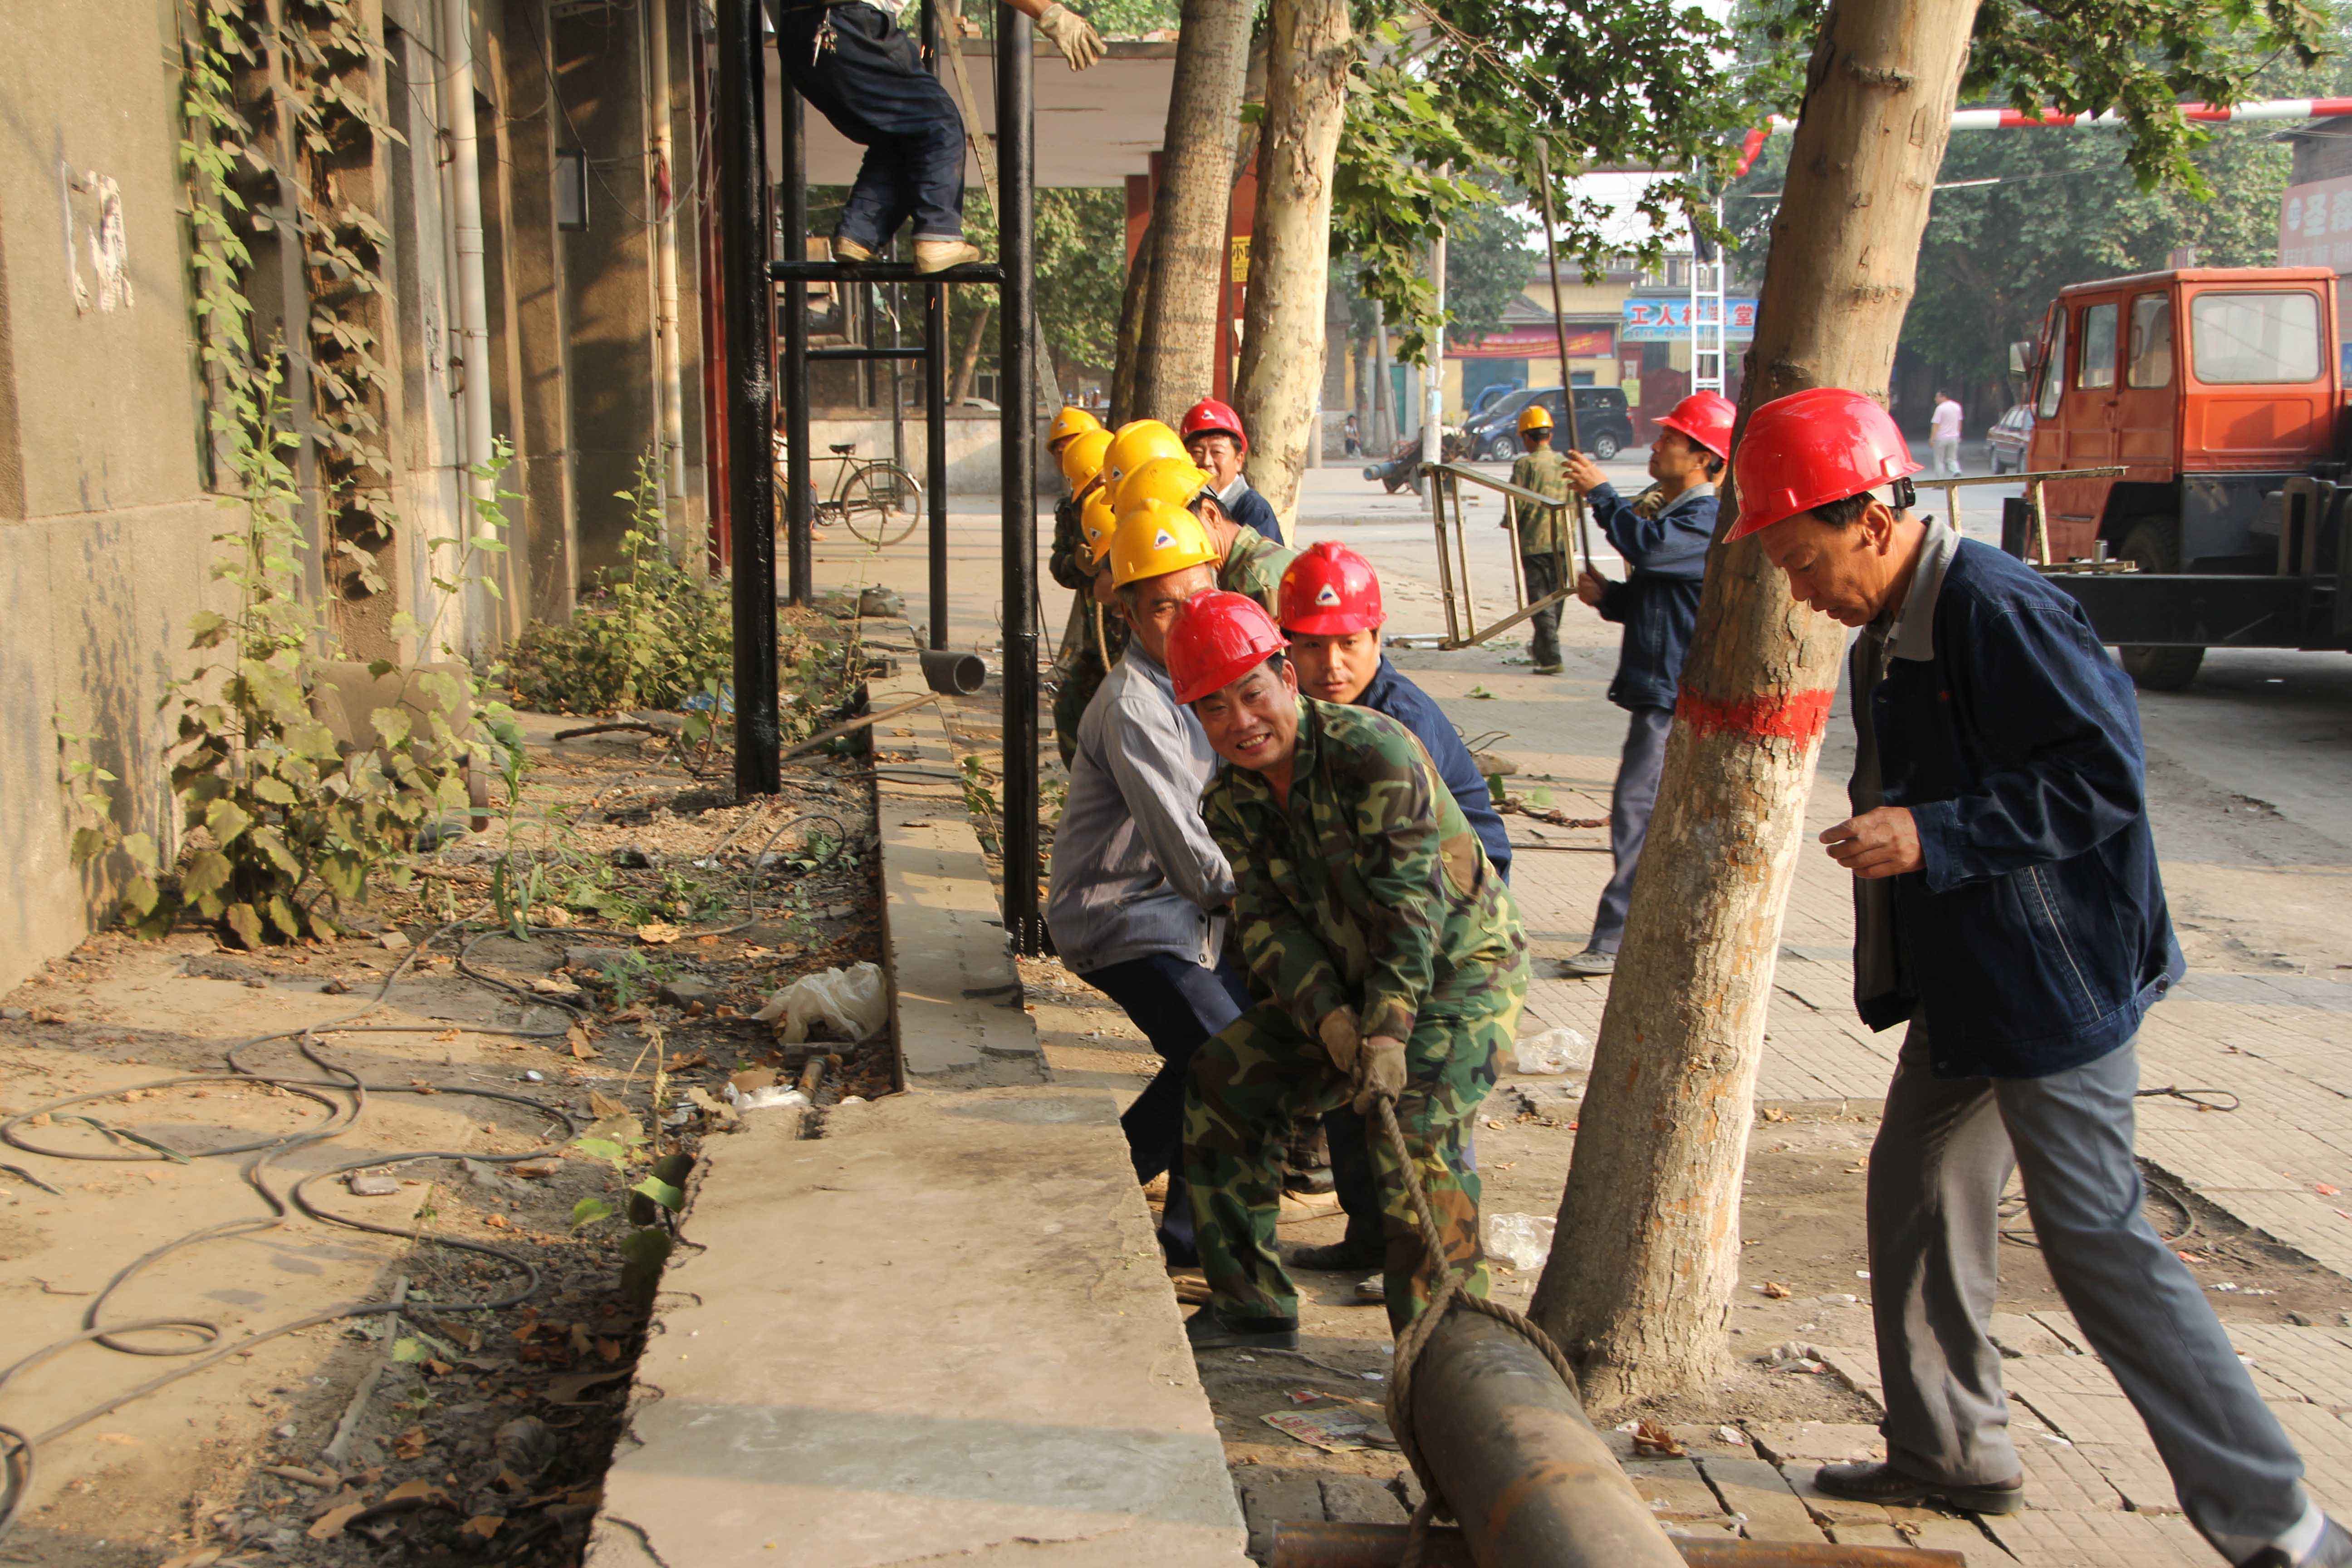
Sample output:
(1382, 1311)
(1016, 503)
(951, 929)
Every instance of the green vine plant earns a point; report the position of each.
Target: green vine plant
(283, 825)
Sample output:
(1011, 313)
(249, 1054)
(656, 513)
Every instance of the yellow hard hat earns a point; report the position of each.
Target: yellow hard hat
(1176, 480)
(1082, 459)
(1155, 539)
(1071, 421)
(1135, 445)
(1097, 524)
(1534, 416)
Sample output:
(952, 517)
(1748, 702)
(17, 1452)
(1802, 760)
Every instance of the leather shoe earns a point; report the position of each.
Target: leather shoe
(2334, 1550)
(1882, 1483)
(1207, 1330)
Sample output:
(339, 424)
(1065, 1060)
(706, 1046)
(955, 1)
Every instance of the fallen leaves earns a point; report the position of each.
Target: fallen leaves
(1653, 1441)
(330, 1523)
(658, 933)
(1776, 1290)
(482, 1526)
(409, 1445)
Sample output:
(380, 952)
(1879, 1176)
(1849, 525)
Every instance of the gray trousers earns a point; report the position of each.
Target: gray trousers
(1636, 791)
(1943, 1154)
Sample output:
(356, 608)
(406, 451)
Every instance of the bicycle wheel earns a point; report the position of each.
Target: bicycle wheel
(881, 503)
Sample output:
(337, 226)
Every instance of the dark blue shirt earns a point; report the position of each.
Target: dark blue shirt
(1252, 509)
(1665, 557)
(1390, 693)
(2035, 934)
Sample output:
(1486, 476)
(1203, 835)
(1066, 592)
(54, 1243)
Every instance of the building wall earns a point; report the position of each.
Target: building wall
(105, 521)
(106, 518)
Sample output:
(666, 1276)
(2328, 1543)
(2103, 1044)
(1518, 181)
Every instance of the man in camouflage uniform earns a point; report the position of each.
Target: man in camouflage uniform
(1542, 531)
(1386, 954)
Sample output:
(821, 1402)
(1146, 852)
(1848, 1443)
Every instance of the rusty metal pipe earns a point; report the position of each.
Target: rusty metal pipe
(1532, 1483)
(1320, 1545)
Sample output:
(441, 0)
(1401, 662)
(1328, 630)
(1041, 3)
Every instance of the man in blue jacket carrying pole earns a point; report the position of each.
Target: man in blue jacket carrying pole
(2009, 913)
(1664, 537)
(1332, 614)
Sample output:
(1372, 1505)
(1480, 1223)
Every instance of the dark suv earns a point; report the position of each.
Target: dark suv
(1603, 425)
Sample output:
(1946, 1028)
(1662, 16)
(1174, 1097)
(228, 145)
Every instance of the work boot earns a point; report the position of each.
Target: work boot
(939, 254)
(1886, 1484)
(1314, 1182)
(2334, 1549)
(1339, 1257)
(1546, 670)
(1373, 1291)
(1207, 1330)
(847, 249)
(1589, 964)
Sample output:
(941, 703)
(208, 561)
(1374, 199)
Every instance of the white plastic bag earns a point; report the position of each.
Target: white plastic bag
(1554, 1050)
(1521, 1240)
(850, 1002)
(766, 1099)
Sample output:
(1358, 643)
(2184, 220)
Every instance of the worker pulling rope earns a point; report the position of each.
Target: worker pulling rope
(1447, 1292)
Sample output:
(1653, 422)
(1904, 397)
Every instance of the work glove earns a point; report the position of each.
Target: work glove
(1380, 1070)
(1072, 34)
(1339, 1039)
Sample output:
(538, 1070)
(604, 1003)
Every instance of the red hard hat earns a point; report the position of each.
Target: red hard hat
(1218, 637)
(1810, 447)
(1331, 591)
(1211, 417)
(1706, 419)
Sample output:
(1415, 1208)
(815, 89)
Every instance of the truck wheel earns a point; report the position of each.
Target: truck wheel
(2154, 544)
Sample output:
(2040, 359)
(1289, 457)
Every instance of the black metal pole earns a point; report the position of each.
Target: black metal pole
(751, 393)
(935, 390)
(800, 563)
(1017, 403)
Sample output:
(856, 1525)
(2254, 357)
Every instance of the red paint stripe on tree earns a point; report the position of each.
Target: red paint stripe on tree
(1801, 717)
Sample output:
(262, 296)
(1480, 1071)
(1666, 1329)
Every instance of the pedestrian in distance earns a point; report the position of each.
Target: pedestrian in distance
(1541, 531)
(1663, 536)
(1385, 954)
(1332, 614)
(1944, 435)
(2009, 913)
(1138, 889)
(1351, 432)
(865, 75)
(1214, 439)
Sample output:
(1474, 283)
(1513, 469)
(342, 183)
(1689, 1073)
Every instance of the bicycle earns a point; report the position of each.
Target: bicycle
(877, 499)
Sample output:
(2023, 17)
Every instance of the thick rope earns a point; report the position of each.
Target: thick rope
(1447, 1293)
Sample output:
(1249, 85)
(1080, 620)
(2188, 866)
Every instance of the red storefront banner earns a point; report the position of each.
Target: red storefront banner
(1537, 342)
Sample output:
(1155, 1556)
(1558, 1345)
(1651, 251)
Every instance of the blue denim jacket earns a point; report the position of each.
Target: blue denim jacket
(1665, 557)
(2035, 936)
(1390, 693)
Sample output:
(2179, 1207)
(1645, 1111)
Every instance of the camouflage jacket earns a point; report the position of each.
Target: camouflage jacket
(1542, 528)
(1367, 890)
(1255, 566)
(1065, 562)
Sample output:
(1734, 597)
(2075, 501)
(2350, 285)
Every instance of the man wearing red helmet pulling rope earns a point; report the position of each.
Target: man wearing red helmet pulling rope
(2009, 914)
(1385, 954)
(1213, 435)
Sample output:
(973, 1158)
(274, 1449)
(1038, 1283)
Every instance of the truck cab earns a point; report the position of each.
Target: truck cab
(2215, 389)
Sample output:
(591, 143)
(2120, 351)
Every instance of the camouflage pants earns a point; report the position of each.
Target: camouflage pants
(1253, 1080)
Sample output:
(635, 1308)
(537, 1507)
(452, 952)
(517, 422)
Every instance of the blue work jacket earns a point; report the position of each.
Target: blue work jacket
(1657, 602)
(1252, 509)
(1390, 693)
(2035, 936)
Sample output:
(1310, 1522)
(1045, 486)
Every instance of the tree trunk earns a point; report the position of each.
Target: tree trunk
(1132, 300)
(962, 388)
(1640, 1280)
(1310, 50)
(1176, 360)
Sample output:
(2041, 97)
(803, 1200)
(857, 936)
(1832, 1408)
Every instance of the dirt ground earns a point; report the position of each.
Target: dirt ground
(437, 1435)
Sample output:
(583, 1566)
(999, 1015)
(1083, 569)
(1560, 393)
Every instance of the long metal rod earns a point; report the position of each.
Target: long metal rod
(809, 271)
(1320, 1545)
(1016, 170)
(750, 400)
(799, 559)
(1560, 326)
(1461, 547)
(935, 390)
(1434, 474)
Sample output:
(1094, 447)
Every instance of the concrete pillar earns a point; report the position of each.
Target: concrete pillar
(600, 80)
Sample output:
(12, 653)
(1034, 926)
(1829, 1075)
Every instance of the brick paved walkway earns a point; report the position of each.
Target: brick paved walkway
(2275, 1040)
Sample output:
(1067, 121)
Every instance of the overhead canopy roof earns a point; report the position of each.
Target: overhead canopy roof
(1094, 127)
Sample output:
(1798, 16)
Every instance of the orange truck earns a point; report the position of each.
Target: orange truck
(2218, 392)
